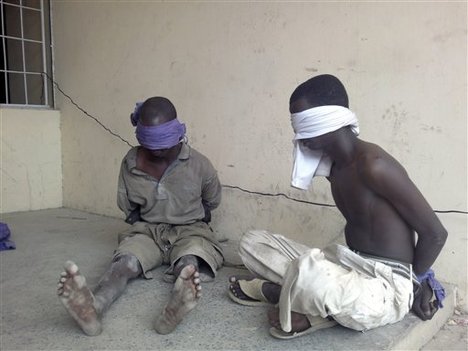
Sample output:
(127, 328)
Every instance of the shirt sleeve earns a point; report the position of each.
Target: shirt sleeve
(211, 192)
(122, 196)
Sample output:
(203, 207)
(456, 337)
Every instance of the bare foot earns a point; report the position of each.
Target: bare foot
(184, 298)
(78, 299)
(236, 289)
(299, 322)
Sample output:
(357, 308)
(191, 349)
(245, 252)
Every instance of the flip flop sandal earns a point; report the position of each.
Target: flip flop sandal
(316, 324)
(253, 290)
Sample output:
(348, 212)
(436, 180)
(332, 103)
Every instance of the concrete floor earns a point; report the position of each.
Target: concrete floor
(34, 319)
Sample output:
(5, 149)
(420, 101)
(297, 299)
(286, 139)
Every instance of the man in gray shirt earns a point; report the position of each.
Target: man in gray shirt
(167, 191)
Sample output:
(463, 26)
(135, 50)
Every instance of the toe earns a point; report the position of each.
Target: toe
(71, 267)
(234, 287)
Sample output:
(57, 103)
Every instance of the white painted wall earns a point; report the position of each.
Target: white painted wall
(31, 160)
(230, 68)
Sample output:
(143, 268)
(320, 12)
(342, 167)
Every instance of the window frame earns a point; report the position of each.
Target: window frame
(46, 53)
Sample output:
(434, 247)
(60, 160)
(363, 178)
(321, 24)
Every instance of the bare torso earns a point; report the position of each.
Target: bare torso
(383, 208)
(373, 224)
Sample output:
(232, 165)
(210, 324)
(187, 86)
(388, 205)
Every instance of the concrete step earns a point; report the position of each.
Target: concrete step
(33, 318)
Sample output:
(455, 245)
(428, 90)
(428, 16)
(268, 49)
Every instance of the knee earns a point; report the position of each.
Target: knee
(185, 261)
(128, 262)
(250, 239)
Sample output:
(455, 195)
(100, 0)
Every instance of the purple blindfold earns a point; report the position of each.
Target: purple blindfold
(135, 116)
(163, 136)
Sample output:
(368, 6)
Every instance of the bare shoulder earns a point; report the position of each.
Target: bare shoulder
(375, 164)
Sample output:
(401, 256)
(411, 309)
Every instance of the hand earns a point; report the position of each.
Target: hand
(207, 218)
(133, 216)
(423, 307)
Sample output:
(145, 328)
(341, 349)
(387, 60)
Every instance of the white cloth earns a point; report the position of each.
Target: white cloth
(359, 293)
(312, 123)
(268, 255)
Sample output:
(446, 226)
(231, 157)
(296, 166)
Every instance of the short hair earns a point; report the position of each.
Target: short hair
(321, 90)
(157, 110)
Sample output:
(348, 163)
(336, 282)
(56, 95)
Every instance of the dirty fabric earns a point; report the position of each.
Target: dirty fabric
(437, 288)
(187, 187)
(157, 244)
(359, 293)
(5, 242)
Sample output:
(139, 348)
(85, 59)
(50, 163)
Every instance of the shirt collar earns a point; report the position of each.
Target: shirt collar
(184, 154)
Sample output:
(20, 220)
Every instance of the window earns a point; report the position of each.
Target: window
(25, 53)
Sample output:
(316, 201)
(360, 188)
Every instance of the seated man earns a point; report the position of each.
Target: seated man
(383, 272)
(167, 190)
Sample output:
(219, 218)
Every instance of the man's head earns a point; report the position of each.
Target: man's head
(322, 90)
(157, 110)
(319, 115)
(157, 127)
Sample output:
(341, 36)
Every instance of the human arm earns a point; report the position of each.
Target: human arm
(211, 197)
(211, 193)
(386, 177)
(130, 209)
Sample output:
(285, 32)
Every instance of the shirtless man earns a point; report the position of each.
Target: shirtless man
(167, 191)
(383, 210)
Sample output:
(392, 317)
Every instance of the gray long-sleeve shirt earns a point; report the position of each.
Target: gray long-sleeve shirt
(178, 197)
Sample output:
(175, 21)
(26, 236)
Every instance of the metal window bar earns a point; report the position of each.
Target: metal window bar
(24, 58)
(22, 6)
(25, 72)
(44, 58)
(4, 56)
(20, 72)
(24, 39)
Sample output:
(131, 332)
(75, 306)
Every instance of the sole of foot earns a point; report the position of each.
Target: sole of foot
(185, 296)
(78, 299)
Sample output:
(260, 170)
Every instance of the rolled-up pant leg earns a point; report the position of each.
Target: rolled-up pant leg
(268, 255)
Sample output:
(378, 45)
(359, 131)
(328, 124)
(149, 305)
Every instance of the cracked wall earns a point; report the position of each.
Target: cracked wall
(31, 164)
